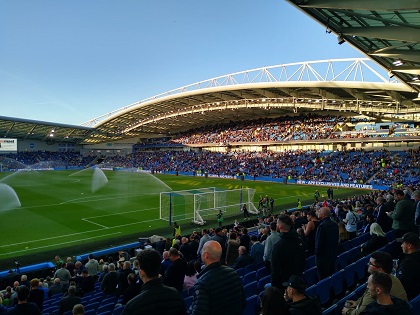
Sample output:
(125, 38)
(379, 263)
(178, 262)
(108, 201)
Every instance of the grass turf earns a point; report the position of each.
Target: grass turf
(72, 212)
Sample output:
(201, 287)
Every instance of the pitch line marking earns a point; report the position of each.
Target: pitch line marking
(40, 247)
(86, 220)
(72, 234)
(111, 214)
(51, 238)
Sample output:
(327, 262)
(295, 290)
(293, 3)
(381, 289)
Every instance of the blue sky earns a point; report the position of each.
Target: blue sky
(71, 61)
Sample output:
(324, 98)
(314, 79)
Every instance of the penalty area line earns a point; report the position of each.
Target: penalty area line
(103, 226)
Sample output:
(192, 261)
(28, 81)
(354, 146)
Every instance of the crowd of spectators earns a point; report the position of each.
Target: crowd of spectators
(307, 127)
(184, 260)
(377, 167)
(42, 159)
(355, 166)
(290, 128)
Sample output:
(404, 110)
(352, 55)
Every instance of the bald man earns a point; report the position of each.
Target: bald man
(218, 289)
(326, 243)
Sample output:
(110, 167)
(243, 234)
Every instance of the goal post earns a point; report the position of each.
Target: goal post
(203, 204)
(179, 205)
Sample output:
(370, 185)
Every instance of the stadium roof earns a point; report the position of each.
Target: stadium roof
(41, 130)
(388, 31)
(327, 85)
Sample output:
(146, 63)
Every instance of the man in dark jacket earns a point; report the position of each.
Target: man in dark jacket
(383, 207)
(218, 289)
(288, 256)
(36, 295)
(23, 307)
(109, 284)
(299, 303)
(244, 259)
(175, 274)
(67, 302)
(133, 289)
(220, 237)
(379, 286)
(155, 298)
(409, 267)
(88, 282)
(403, 215)
(326, 243)
(122, 278)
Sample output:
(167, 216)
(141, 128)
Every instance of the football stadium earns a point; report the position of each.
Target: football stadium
(326, 150)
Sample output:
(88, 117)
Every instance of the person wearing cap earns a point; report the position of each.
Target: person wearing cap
(408, 270)
(403, 215)
(299, 302)
(382, 262)
(288, 256)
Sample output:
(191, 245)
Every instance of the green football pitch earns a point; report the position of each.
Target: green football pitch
(69, 212)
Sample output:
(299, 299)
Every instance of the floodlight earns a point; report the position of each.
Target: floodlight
(340, 39)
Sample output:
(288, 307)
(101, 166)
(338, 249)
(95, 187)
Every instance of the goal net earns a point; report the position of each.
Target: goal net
(204, 204)
(230, 202)
(179, 205)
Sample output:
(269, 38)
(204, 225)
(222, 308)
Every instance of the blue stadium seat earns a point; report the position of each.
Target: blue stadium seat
(92, 306)
(331, 310)
(106, 307)
(260, 265)
(390, 235)
(353, 254)
(361, 269)
(311, 291)
(349, 276)
(118, 310)
(342, 260)
(337, 284)
(249, 268)
(340, 304)
(249, 277)
(251, 289)
(262, 272)
(262, 282)
(111, 299)
(323, 291)
(252, 304)
(311, 276)
(415, 304)
(310, 262)
(90, 312)
(359, 291)
(241, 272)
